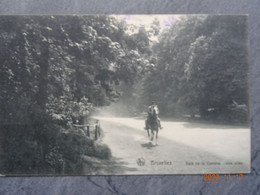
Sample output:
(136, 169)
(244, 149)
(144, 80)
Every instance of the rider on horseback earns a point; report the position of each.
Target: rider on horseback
(152, 110)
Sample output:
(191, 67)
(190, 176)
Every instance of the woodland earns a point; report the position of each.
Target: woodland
(56, 71)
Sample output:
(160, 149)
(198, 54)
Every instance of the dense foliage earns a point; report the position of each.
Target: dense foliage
(202, 69)
(54, 71)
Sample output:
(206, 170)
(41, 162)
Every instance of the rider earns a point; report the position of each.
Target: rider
(150, 113)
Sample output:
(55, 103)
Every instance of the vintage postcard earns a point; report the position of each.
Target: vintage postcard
(124, 94)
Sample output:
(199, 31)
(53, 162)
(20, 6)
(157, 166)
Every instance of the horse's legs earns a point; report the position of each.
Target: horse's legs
(155, 137)
(152, 135)
(148, 133)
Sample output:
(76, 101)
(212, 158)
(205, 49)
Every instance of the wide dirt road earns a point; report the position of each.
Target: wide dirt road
(183, 147)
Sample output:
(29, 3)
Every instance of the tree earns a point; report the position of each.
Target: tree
(201, 67)
(221, 74)
(54, 71)
(170, 53)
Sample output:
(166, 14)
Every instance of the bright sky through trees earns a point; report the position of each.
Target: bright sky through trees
(146, 20)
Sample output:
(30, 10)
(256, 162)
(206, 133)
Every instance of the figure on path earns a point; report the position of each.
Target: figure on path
(152, 114)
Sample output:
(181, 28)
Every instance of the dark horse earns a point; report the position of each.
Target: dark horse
(153, 125)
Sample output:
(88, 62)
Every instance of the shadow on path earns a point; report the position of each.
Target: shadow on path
(148, 145)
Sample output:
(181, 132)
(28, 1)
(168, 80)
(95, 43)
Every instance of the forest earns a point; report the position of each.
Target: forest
(57, 71)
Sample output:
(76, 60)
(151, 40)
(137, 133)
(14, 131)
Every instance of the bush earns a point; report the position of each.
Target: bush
(102, 151)
(74, 144)
(238, 113)
(32, 148)
(46, 147)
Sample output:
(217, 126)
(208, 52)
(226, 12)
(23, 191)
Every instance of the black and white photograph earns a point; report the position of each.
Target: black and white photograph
(124, 95)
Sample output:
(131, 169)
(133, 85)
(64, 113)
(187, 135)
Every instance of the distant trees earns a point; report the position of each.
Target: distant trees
(202, 68)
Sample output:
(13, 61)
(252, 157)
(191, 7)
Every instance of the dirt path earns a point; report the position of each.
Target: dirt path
(182, 148)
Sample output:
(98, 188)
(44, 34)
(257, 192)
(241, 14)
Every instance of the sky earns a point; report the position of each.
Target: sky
(165, 20)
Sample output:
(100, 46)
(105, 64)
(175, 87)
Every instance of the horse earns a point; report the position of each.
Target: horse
(153, 125)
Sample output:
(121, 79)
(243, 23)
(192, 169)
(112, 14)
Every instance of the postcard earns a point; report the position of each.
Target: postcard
(124, 95)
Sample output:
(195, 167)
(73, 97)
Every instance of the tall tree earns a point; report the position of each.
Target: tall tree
(202, 67)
